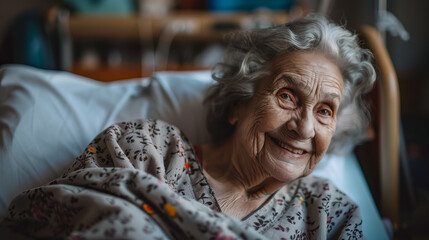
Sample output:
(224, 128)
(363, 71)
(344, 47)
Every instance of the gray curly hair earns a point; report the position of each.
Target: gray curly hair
(249, 52)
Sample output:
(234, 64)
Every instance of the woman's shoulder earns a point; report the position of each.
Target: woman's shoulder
(331, 207)
(323, 194)
(310, 207)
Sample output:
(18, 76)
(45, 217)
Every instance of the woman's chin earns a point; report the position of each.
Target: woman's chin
(284, 171)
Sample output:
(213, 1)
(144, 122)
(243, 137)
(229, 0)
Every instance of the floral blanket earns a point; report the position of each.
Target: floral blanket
(119, 203)
(109, 193)
(142, 180)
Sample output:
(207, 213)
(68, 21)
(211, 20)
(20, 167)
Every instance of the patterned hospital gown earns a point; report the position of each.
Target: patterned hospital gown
(308, 208)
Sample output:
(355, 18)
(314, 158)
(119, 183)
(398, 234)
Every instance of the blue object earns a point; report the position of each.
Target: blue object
(102, 6)
(27, 42)
(248, 5)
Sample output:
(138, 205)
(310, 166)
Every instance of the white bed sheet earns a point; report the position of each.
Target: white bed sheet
(48, 117)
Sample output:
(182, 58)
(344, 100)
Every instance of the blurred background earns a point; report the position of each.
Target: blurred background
(110, 40)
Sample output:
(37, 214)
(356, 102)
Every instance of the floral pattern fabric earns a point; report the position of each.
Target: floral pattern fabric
(142, 180)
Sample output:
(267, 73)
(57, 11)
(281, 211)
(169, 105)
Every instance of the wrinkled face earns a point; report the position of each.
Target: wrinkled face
(287, 126)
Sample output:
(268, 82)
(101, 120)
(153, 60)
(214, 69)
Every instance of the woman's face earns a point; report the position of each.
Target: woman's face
(287, 126)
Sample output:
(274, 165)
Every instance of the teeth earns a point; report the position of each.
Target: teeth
(281, 144)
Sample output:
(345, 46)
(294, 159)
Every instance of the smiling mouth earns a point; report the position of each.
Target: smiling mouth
(287, 147)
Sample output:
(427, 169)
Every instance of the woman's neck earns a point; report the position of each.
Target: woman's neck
(239, 182)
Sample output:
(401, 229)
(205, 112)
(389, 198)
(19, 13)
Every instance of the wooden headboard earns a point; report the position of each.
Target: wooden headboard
(386, 126)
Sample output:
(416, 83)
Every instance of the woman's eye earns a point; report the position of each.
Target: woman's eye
(325, 112)
(286, 99)
(285, 96)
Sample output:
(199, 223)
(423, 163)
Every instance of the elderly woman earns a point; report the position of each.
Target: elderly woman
(279, 95)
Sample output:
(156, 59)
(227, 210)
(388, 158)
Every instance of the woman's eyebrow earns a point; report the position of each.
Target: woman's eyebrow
(331, 96)
(290, 80)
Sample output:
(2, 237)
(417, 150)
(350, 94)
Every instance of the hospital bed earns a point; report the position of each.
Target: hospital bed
(48, 117)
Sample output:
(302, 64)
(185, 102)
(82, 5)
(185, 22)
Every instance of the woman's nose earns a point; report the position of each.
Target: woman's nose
(303, 125)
